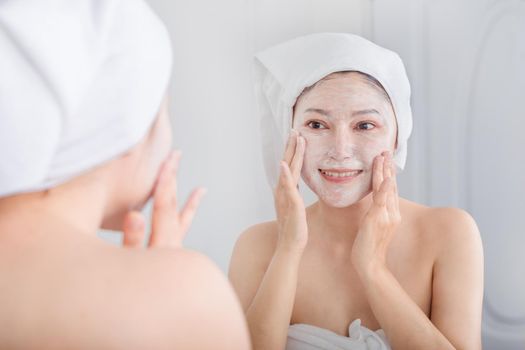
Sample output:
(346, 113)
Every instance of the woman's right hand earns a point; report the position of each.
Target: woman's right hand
(168, 225)
(289, 205)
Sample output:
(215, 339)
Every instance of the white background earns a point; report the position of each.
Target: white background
(464, 59)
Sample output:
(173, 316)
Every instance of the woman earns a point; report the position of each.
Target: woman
(85, 141)
(361, 268)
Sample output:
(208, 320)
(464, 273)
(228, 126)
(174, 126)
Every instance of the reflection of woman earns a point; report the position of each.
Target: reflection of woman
(360, 253)
(85, 138)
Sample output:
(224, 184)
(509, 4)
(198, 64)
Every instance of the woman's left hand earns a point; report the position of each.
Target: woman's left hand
(380, 222)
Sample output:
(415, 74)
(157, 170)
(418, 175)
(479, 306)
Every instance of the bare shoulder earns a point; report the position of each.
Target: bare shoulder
(251, 256)
(184, 293)
(445, 227)
(104, 296)
(260, 239)
(255, 246)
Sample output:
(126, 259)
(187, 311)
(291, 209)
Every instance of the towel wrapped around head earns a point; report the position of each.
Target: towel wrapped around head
(285, 70)
(81, 83)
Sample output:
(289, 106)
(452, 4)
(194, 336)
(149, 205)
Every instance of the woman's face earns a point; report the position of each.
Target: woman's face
(138, 170)
(346, 122)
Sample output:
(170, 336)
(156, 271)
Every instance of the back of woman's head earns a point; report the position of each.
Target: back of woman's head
(82, 82)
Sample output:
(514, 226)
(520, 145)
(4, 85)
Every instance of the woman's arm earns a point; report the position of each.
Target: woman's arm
(457, 283)
(269, 302)
(457, 288)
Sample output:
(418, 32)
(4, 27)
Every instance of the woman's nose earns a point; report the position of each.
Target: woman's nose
(342, 145)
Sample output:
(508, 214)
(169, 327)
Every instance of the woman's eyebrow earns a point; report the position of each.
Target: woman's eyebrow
(366, 111)
(318, 111)
(327, 113)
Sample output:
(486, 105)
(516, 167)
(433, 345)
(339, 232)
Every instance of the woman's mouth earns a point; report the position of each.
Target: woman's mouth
(339, 175)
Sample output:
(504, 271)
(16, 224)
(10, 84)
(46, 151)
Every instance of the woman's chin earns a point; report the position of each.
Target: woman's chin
(339, 203)
(338, 200)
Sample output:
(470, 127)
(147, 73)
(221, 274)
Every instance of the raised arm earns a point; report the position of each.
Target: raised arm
(267, 287)
(457, 283)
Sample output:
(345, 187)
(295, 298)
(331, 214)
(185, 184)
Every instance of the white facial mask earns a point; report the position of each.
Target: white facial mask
(339, 148)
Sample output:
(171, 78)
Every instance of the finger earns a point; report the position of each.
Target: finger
(165, 180)
(395, 190)
(177, 155)
(380, 197)
(281, 184)
(188, 212)
(164, 205)
(290, 147)
(287, 176)
(391, 200)
(393, 204)
(393, 174)
(133, 230)
(387, 165)
(377, 173)
(298, 158)
(387, 174)
(288, 185)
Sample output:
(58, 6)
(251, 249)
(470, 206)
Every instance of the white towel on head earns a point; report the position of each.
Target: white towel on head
(284, 71)
(81, 83)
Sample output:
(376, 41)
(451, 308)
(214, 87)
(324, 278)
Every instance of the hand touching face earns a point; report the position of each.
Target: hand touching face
(346, 122)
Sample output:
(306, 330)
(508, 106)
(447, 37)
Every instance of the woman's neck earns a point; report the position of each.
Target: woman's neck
(338, 225)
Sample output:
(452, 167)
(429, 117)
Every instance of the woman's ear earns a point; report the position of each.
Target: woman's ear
(397, 136)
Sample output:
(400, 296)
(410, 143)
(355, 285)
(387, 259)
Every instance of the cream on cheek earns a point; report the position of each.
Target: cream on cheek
(355, 151)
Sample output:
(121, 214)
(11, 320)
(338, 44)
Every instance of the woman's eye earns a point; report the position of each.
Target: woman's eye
(365, 126)
(316, 125)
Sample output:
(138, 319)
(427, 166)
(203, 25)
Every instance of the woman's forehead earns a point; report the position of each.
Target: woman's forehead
(348, 82)
(343, 92)
(346, 94)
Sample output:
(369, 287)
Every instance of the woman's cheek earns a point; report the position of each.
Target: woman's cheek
(364, 152)
(374, 145)
(312, 155)
(369, 150)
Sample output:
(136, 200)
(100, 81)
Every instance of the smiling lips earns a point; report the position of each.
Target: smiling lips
(339, 175)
